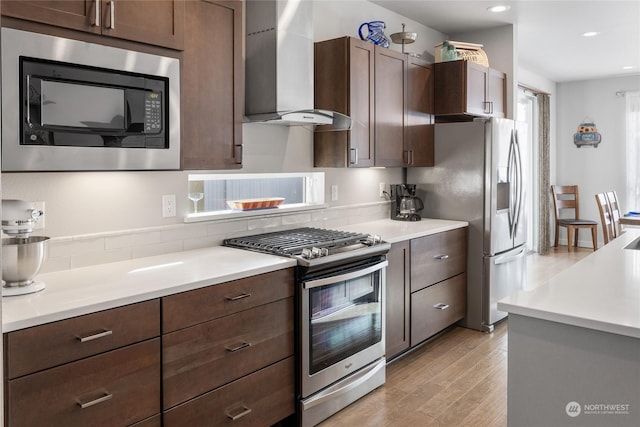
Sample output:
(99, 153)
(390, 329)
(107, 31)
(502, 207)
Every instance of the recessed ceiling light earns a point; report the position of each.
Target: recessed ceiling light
(499, 8)
(590, 34)
(628, 67)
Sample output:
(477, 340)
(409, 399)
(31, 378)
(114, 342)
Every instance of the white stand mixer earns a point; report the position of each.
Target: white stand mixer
(22, 255)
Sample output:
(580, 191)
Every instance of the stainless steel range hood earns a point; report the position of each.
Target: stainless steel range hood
(279, 65)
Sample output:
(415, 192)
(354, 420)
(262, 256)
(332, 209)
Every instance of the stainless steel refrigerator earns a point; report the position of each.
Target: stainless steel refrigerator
(479, 177)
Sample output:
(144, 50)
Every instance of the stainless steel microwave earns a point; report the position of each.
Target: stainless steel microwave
(69, 105)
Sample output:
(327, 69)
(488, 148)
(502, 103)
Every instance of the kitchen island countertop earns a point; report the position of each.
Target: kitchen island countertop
(600, 292)
(85, 290)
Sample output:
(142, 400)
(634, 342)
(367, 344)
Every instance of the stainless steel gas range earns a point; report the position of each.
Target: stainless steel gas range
(341, 280)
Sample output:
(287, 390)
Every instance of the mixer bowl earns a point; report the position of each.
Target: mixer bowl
(22, 259)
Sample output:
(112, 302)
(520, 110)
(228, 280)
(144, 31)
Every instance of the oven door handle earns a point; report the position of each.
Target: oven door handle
(348, 276)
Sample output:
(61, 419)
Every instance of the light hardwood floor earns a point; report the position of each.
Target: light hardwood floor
(456, 379)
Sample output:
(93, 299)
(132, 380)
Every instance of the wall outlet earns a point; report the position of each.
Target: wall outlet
(383, 189)
(168, 205)
(334, 193)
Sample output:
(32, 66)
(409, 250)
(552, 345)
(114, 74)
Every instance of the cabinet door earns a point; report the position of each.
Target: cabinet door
(477, 86)
(83, 15)
(497, 93)
(438, 306)
(419, 135)
(437, 257)
(206, 356)
(390, 106)
(212, 86)
(260, 399)
(116, 388)
(159, 22)
(398, 300)
(344, 82)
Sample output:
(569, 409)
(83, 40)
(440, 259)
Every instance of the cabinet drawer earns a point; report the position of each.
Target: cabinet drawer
(438, 257)
(34, 349)
(203, 357)
(117, 388)
(201, 305)
(438, 306)
(260, 399)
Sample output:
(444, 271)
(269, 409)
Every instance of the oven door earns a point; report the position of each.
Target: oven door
(342, 324)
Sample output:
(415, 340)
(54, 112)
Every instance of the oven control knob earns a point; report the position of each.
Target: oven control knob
(306, 253)
(373, 239)
(318, 252)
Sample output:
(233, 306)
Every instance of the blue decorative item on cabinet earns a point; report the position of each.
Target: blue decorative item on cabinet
(587, 134)
(375, 30)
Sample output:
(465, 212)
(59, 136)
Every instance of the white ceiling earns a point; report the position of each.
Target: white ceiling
(549, 33)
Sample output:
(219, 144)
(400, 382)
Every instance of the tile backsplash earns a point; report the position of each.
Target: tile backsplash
(86, 250)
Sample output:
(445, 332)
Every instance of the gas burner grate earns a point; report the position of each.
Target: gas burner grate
(291, 242)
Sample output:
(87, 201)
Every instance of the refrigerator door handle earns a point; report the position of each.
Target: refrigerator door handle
(503, 259)
(519, 182)
(511, 173)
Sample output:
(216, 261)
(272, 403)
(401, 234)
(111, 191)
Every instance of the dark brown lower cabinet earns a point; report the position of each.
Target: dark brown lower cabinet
(260, 399)
(206, 356)
(437, 306)
(116, 388)
(426, 288)
(398, 300)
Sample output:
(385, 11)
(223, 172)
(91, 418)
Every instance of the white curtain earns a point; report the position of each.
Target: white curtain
(633, 150)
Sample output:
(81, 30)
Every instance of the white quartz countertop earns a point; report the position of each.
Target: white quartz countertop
(396, 231)
(75, 292)
(601, 292)
(71, 293)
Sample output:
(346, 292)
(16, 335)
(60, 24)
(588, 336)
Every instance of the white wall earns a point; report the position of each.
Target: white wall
(87, 203)
(594, 169)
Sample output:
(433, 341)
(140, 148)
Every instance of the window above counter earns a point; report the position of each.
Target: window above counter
(223, 196)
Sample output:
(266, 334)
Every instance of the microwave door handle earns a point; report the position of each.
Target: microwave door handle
(342, 277)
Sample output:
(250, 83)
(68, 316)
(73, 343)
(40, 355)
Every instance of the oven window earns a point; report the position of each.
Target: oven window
(85, 106)
(345, 318)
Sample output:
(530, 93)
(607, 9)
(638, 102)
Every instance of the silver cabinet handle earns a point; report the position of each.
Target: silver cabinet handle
(238, 347)
(442, 256)
(235, 416)
(105, 396)
(112, 21)
(441, 306)
(102, 334)
(355, 156)
(96, 19)
(237, 297)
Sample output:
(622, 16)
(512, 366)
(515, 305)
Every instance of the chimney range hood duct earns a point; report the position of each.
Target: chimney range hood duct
(279, 65)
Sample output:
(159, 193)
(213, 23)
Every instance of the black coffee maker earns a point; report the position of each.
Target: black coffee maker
(405, 205)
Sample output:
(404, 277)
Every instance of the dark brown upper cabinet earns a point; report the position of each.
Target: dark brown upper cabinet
(465, 89)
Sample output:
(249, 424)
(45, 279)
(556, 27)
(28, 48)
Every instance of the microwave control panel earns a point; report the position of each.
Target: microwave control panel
(152, 112)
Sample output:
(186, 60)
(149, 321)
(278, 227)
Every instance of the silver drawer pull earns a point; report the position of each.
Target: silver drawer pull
(237, 297)
(237, 415)
(106, 396)
(102, 334)
(444, 256)
(238, 347)
(441, 306)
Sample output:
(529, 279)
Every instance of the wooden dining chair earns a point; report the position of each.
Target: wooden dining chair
(566, 198)
(605, 217)
(612, 198)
